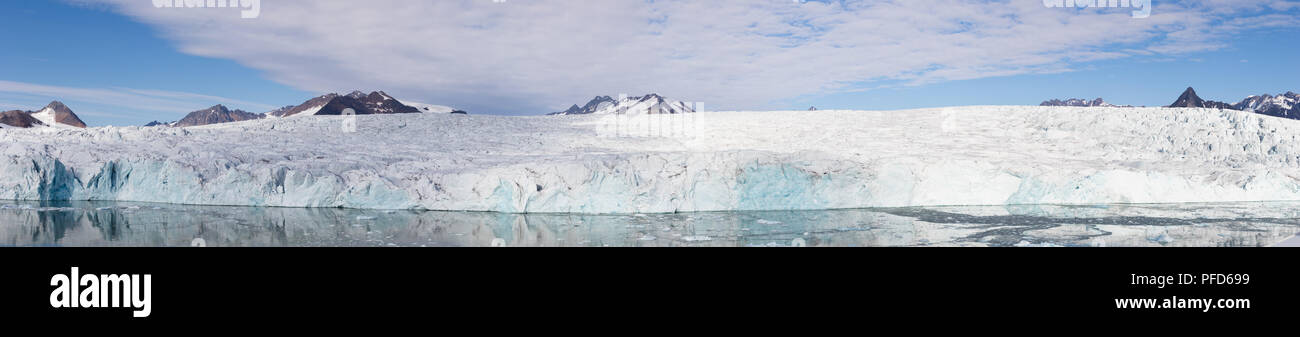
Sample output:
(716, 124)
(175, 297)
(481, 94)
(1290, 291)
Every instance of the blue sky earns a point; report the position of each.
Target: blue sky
(125, 62)
(75, 46)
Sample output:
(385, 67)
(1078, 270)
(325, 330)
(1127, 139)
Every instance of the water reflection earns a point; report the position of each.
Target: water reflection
(138, 224)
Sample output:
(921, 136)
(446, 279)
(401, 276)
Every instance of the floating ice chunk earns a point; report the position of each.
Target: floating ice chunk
(1163, 239)
(1024, 243)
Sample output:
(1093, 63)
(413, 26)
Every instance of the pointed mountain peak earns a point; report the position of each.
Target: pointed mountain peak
(1188, 99)
(379, 96)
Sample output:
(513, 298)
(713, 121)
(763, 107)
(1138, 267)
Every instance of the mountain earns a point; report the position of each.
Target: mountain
(812, 108)
(19, 119)
(157, 123)
(651, 104)
(217, 114)
(374, 103)
(1285, 105)
(1078, 102)
(1189, 99)
(55, 114)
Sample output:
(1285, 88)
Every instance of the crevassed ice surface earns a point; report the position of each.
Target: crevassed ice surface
(141, 224)
(713, 161)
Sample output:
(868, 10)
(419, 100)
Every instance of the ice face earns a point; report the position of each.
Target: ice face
(728, 161)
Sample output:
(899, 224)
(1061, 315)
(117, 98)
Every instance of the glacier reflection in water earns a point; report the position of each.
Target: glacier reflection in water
(140, 224)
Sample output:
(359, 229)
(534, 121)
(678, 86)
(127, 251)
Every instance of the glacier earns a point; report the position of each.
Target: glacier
(708, 161)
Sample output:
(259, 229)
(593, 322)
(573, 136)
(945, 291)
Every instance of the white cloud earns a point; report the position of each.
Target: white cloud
(133, 99)
(531, 56)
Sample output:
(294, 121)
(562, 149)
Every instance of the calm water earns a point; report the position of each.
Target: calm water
(140, 224)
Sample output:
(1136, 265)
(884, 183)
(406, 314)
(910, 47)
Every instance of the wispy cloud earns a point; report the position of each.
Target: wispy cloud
(529, 55)
(130, 99)
(11, 106)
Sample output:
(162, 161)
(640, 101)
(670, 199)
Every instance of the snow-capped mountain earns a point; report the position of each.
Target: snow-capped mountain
(1189, 99)
(217, 114)
(374, 103)
(430, 108)
(648, 104)
(55, 114)
(1285, 105)
(1079, 102)
(58, 114)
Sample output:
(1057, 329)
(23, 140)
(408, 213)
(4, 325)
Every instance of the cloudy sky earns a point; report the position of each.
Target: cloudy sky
(128, 62)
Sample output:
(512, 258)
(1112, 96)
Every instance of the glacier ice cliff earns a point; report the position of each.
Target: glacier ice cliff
(717, 161)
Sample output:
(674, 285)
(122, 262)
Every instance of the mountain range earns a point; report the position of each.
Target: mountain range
(1078, 102)
(650, 104)
(374, 103)
(55, 114)
(1283, 105)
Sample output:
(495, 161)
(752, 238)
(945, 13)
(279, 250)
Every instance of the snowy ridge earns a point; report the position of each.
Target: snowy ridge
(429, 108)
(778, 160)
(46, 116)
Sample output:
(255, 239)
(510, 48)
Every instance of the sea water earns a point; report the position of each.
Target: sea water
(143, 224)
